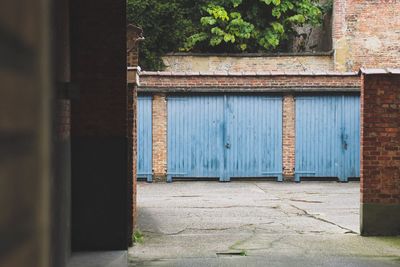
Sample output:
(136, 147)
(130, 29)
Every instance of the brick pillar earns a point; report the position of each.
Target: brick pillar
(159, 137)
(380, 154)
(288, 136)
(64, 91)
(62, 186)
(134, 35)
(132, 148)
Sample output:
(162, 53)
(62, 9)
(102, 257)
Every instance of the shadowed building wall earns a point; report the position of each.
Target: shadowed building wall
(100, 190)
(26, 143)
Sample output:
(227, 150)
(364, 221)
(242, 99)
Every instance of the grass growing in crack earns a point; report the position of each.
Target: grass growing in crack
(243, 253)
(138, 237)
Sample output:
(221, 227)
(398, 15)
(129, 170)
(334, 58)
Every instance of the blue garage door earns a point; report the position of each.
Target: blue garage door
(327, 136)
(144, 138)
(223, 136)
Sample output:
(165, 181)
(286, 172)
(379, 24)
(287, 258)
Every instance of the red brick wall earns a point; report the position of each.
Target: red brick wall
(251, 81)
(366, 33)
(133, 35)
(380, 139)
(159, 109)
(288, 135)
(132, 147)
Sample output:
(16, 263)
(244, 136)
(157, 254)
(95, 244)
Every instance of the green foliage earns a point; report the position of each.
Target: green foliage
(217, 25)
(166, 26)
(138, 237)
(251, 25)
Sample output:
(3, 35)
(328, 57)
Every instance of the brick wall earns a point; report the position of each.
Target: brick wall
(134, 35)
(159, 109)
(252, 62)
(62, 186)
(61, 202)
(380, 153)
(251, 82)
(99, 143)
(132, 147)
(288, 135)
(63, 119)
(366, 33)
(380, 163)
(98, 59)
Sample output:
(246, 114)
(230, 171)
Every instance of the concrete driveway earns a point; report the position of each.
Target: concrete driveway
(255, 224)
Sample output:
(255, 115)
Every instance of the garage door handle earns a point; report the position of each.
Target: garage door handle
(227, 145)
(345, 146)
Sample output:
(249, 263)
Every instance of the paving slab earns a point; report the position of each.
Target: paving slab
(98, 259)
(255, 224)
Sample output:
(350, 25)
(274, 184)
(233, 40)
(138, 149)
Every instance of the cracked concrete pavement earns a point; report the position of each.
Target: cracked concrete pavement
(255, 224)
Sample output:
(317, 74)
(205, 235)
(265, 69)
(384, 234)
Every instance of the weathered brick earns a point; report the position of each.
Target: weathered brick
(252, 82)
(288, 141)
(366, 34)
(249, 63)
(380, 157)
(159, 113)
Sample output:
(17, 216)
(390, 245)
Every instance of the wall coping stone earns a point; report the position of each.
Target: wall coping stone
(275, 89)
(244, 55)
(244, 74)
(371, 71)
